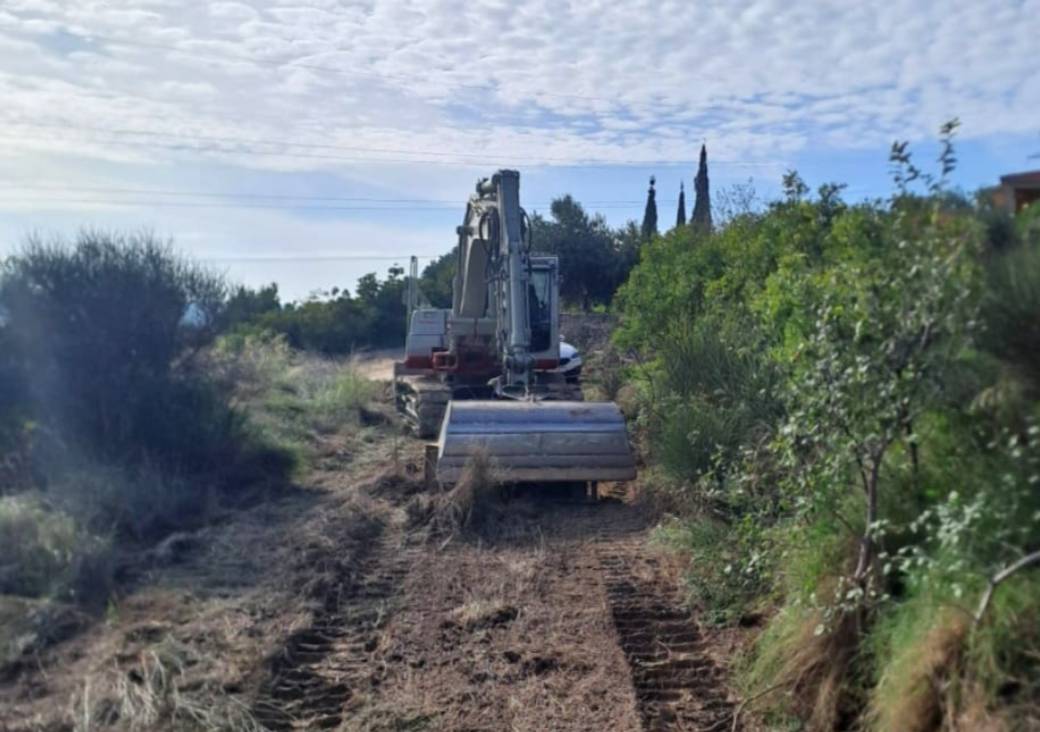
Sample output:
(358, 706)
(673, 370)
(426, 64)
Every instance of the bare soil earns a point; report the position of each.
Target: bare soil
(328, 608)
(378, 364)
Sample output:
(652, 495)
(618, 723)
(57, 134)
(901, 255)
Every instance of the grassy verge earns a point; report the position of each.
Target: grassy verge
(61, 541)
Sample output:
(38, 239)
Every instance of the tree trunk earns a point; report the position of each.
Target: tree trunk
(867, 544)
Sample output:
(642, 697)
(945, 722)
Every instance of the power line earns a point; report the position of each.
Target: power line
(213, 193)
(390, 202)
(283, 207)
(212, 144)
(322, 258)
(239, 141)
(202, 204)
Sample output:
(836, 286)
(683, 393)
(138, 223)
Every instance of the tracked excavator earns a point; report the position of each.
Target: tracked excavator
(484, 376)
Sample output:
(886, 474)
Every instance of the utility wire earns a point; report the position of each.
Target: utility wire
(202, 204)
(279, 197)
(322, 258)
(284, 207)
(219, 144)
(284, 143)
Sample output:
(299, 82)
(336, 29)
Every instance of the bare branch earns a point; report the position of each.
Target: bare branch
(987, 596)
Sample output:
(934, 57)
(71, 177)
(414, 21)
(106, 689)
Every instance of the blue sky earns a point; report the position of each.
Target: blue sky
(309, 142)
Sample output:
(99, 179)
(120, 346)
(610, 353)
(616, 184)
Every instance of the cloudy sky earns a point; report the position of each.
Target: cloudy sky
(310, 141)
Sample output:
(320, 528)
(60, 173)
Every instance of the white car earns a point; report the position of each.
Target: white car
(570, 362)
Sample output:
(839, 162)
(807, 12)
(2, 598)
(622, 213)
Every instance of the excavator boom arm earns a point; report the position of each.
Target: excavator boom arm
(528, 438)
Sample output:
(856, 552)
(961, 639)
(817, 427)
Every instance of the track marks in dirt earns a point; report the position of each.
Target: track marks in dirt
(570, 623)
(324, 667)
(677, 685)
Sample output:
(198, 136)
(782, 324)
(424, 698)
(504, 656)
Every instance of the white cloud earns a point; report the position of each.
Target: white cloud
(648, 76)
(467, 84)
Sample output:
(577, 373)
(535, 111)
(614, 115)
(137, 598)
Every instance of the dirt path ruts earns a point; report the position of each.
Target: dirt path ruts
(326, 665)
(563, 619)
(677, 685)
(334, 613)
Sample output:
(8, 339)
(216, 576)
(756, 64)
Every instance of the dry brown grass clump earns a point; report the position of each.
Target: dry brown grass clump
(478, 614)
(172, 685)
(916, 694)
(471, 506)
(809, 666)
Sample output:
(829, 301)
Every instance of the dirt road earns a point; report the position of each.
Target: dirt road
(563, 619)
(333, 609)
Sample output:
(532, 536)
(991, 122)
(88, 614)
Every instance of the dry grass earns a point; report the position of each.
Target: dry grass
(483, 613)
(163, 690)
(915, 693)
(45, 552)
(473, 505)
(807, 668)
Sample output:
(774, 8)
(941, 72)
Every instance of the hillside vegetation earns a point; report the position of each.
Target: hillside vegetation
(838, 407)
(841, 405)
(125, 416)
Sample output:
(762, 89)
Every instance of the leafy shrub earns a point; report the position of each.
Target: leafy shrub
(1011, 309)
(333, 323)
(715, 393)
(730, 565)
(99, 326)
(126, 424)
(819, 387)
(44, 552)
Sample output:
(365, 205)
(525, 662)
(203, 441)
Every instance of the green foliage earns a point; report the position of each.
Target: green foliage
(336, 323)
(290, 396)
(730, 565)
(115, 415)
(44, 552)
(245, 305)
(593, 259)
(97, 327)
(1012, 308)
(436, 280)
(850, 391)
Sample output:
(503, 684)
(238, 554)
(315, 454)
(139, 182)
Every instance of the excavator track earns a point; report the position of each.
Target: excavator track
(677, 685)
(423, 401)
(332, 665)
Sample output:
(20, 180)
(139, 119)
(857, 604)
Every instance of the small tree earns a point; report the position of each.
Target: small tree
(701, 217)
(98, 327)
(649, 228)
(584, 245)
(680, 214)
(874, 363)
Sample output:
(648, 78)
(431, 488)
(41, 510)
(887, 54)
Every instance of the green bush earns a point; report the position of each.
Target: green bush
(714, 392)
(851, 392)
(43, 552)
(1011, 310)
(98, 327)
(730, 566)
(105, 333)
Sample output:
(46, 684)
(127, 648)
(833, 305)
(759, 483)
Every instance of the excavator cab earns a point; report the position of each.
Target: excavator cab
(542, 297)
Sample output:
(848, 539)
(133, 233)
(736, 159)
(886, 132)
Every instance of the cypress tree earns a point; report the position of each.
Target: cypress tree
(649, 229)
(680, 215)
(701, 217)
